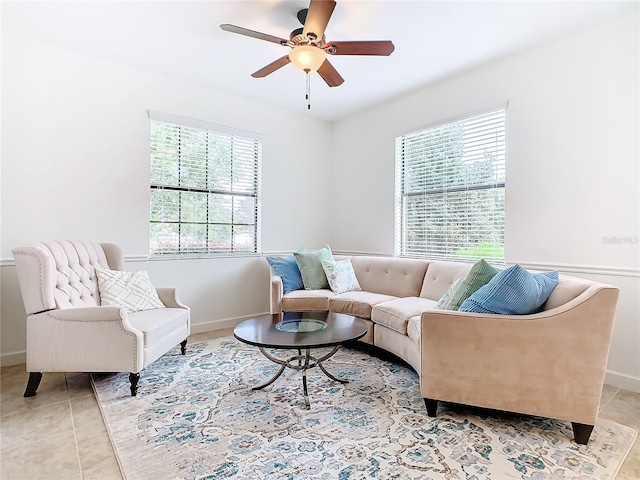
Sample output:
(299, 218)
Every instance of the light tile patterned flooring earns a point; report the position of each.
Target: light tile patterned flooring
(59, 433)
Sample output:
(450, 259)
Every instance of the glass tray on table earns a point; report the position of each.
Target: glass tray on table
(301, 325)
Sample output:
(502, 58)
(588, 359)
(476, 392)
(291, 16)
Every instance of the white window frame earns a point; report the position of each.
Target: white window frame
(433, 179)
(176, 246)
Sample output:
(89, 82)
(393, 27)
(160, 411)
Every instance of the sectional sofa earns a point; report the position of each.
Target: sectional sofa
(550, 363)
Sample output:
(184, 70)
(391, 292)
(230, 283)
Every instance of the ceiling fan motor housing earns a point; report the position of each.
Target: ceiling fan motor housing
(298, 38)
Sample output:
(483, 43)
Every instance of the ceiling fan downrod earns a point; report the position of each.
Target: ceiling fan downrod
(308, 96)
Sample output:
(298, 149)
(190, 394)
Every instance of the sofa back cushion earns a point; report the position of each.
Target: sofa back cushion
(440, 276)
(61, 274)
(400, 277)
(567, 289)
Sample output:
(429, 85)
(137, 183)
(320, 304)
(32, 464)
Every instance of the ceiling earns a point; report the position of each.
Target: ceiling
(182, 39)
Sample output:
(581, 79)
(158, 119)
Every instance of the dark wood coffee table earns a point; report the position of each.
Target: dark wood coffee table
(300, 331)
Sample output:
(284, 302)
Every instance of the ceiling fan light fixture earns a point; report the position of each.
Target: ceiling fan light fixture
(307, 57)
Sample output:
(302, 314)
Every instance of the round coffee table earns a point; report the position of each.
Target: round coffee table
(300, 331)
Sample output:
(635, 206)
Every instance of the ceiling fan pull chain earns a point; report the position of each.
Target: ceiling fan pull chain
(308, 96)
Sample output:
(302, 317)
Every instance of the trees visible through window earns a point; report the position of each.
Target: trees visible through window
(450, 189)
(204, 188)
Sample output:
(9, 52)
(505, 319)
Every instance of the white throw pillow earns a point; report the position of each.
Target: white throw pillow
(445, 300)
(131, 290)
(341, 276)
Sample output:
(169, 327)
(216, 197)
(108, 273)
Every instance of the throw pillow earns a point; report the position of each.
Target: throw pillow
(313, 276)
(131, 290)
(341, 276)
(479, 275)
(513, 291)
(287, 269)
(445, 300)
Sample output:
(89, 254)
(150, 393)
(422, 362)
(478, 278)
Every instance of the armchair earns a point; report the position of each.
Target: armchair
(67, 328)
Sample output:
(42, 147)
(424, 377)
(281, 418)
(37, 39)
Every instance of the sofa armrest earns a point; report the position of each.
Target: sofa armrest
(115, 315)
(275, 299)
(101, 339)
(89, 314)
(550, 364)
(171, 298)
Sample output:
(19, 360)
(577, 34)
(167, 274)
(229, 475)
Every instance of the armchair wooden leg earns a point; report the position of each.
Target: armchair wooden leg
(33, 383)
(581, 432)
(432, 406)
(183, 347)
(133, 378)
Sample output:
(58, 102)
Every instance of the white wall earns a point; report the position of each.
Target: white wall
(75, 165)
(572, 163)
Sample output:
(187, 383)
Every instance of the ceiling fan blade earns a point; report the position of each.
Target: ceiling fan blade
(251, 33)
(330, 74)
(272, 67)
(373, 47)
(318, 17)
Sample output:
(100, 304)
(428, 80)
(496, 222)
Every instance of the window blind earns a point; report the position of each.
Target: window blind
(204, 189)
(450, 190)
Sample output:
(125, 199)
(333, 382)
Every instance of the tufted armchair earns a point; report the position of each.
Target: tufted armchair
(67, 328)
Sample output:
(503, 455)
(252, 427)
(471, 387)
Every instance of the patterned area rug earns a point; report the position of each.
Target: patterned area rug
(196, 417)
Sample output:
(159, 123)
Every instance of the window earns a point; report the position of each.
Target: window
(205, 188)
(450, 185)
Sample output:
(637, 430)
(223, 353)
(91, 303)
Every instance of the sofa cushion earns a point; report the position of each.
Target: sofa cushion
(341, 276)
(313, 276)
(307, 300)
(513, 291)
(440, 276)
(567, 289)
(357, 303)
(157, 324)
(414, 326)
(479, 275)
(395, 314)
(287, 268)
(398, 277)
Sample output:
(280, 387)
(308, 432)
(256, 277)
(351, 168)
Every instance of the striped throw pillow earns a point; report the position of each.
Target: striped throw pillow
(513, 291)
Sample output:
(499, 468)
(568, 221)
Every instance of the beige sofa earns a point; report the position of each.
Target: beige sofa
(550, 364)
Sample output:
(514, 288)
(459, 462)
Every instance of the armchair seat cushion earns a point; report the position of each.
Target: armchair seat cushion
(158, 323)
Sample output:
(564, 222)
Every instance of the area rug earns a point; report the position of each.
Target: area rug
(196, 417)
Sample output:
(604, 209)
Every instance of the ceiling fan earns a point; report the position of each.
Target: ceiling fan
(309, 46)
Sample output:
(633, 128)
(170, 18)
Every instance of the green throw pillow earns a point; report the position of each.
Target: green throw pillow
(310, 265)
(478, 276)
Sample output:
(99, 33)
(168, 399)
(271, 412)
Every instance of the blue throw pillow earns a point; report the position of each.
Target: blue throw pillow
(513, 291)
(287, 268)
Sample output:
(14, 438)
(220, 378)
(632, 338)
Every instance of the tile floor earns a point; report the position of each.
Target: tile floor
(59, 434)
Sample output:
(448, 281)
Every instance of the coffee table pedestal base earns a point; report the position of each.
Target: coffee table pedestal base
(302, 361)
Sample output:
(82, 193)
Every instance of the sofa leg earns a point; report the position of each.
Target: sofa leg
(432, 406)
(581, 432)
(33, 383)
(183, 347)
(133, 378)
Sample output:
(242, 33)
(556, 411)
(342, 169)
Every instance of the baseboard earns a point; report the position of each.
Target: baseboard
(13, 358)
(221, 323)
(622, 380)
